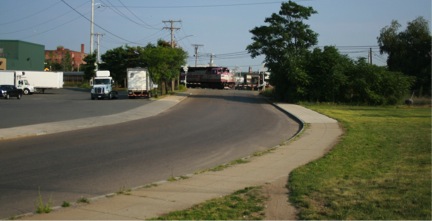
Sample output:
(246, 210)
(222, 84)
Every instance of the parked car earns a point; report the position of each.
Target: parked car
(8, 91)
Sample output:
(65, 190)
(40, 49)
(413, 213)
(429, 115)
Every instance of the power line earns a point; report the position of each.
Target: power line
(121, 14)
(152, 35)
(52, 19)
(206, 6)
(352, 47)
(98, 25)
(380, 58)
(48, 30)
(29, 16)
(145, 23)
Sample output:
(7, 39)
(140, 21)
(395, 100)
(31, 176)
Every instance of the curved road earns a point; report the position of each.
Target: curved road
(209, 128)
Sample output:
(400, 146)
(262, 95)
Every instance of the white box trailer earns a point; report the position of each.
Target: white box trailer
(42, 80)
(139, 83)
(17, 79)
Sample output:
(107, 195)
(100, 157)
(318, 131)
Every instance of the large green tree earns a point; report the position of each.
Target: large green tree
(409, 51)
(164, 63)
(285, 41)
(66, 62)
(326, 68)
(118, 60)
(89, 67)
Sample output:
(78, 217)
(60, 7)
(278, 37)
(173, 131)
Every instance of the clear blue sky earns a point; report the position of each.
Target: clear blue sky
(222, 26)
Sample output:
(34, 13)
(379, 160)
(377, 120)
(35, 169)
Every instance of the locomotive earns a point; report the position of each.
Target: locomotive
(207, 77)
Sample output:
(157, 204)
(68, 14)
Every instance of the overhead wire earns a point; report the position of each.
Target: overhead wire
(380, 58)
(51, 29)
(153, 36)
(125, 16)
(132, 13)
(109, 32)
(28, 16)
(206, 6)
(52, 19)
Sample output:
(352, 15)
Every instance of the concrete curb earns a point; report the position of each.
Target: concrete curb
(144, 111)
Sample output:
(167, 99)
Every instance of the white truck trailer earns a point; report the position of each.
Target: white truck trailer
(139, 83)
(43, 80)
(102, 86)
(18, 79)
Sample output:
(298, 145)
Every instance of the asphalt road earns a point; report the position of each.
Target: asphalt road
(60, 104)
(209, 128)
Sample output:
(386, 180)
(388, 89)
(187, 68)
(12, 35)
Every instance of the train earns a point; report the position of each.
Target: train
(207, 77)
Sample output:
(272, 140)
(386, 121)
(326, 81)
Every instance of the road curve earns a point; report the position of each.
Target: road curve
(209, 128)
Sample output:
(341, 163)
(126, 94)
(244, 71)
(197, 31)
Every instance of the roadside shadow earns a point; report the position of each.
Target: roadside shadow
(236, 97)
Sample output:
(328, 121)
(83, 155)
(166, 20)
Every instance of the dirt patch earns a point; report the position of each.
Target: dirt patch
(277, 205)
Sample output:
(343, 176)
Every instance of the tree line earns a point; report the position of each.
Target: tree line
(300, 73)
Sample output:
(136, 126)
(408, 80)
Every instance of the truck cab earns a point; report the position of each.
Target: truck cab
(102, 86)
(25, 86)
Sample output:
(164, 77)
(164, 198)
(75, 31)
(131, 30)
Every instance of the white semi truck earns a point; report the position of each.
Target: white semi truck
(18, 79)
(102, 86)
(139, 83)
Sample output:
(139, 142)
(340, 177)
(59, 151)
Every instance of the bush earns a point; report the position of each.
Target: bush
(267, 92)
(373, 85)
(182, 87)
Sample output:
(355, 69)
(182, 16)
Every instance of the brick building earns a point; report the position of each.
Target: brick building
(56, 56)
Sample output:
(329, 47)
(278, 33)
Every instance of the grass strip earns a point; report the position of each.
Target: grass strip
(381, 169)
(245, 204)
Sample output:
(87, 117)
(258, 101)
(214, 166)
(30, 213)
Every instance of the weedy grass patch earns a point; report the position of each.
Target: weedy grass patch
(245, 204)
(42, 207)
(381, 168)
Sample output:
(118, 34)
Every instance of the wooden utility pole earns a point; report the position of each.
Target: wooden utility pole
(171, 28)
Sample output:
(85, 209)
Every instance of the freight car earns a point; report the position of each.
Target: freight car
(207, 77)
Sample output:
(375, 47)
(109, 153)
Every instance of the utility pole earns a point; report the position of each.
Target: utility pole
(91, 27)
(98, 46)
(171, 28)
(196, 46)
(370, 55)
(211, 59)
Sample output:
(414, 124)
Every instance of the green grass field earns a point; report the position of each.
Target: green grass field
(381, 169)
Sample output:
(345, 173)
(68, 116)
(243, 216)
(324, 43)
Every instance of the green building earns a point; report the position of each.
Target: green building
(21, 55)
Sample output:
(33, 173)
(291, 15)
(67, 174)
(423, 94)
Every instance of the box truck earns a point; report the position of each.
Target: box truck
(43, 80)
(139, 83)
(18, 79)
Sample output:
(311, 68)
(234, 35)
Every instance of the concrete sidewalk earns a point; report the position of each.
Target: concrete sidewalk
(163, 197)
